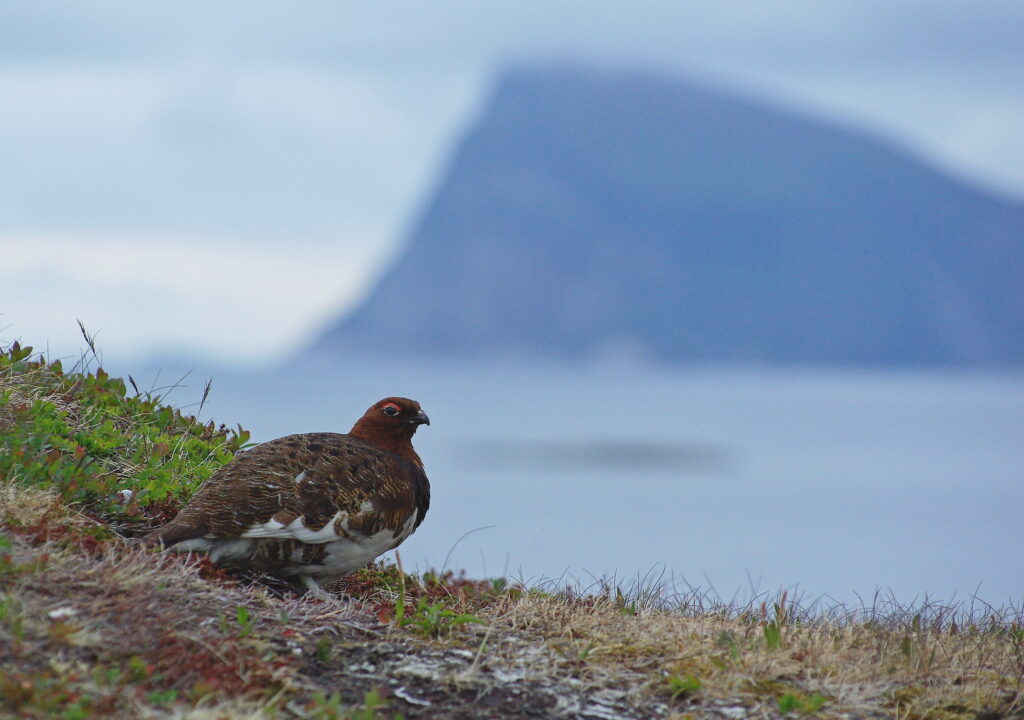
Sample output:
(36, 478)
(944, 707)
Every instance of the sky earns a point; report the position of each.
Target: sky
(219, 180)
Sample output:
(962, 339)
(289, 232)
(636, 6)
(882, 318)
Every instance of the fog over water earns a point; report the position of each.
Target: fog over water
(837, 483)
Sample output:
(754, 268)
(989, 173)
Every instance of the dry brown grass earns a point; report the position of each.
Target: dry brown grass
(102, 629)
(95, 628)
(861, 668)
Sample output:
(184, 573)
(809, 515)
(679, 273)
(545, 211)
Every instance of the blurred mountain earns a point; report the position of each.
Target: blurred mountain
(592, 213)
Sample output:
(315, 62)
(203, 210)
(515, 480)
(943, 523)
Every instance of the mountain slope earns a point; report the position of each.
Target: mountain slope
(592, 212)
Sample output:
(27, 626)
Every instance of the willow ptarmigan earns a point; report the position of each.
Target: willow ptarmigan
(311, 507)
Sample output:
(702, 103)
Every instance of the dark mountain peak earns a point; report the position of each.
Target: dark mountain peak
(589, 211)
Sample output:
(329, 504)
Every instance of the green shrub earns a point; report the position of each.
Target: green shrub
(83, 434)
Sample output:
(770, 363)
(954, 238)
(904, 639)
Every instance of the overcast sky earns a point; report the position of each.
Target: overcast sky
(219, 179)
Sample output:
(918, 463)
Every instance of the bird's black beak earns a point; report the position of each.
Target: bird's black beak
(419, 418)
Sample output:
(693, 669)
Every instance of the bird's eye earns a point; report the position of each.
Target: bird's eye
(390, 409)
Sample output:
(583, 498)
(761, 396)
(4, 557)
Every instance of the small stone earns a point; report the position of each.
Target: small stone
(504, 676)
(404, 694)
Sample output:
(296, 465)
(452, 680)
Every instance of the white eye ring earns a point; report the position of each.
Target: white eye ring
(390, 410)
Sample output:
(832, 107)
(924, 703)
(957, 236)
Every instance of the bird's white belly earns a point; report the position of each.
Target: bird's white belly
(349, 554)
(343, 554)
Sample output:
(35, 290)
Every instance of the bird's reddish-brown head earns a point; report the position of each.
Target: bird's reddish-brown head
(390, 424)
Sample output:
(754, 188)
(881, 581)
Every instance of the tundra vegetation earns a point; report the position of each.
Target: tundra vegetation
(93, 626)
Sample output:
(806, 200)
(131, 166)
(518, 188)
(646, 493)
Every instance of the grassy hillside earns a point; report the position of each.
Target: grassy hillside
(92, 626)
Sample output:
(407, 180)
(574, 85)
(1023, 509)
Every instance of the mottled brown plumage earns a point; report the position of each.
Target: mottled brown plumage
(316, 505)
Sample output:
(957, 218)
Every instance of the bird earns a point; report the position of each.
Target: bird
(312, 507)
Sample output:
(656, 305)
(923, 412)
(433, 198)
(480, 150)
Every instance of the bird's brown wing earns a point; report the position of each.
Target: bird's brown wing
(313, 488)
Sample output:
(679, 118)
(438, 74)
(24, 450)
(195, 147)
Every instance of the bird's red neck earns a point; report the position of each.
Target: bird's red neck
(387, 437)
